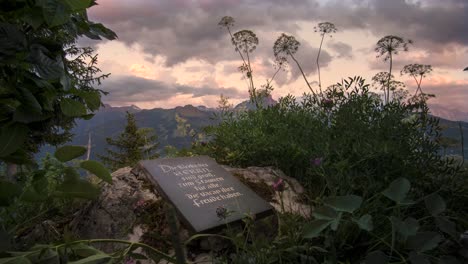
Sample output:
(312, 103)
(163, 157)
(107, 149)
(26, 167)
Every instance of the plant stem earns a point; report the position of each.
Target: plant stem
(303, 75)
(318, 65)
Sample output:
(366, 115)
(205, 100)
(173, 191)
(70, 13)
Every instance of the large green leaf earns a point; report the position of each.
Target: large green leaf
(77, 5)
(29, 100)
(47, 67)
(97, 169)
(23, 114)
(406, 228)
(8, 191)
(12, 39)
(67, 153)
(348, 203)
(83, 250)
(416, 258)
(447, 226)
(435, 204)
(365, 222)
(397, 190)
(72, 108)
(55, 12)
(314, 228)
(424, 241)
(98, 258)
(14, 260)
(325, 213)
(448, 260)
(376, 257)
(77, 189)
(12, 137)
(92, 99)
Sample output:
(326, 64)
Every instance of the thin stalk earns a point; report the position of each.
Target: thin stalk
(318, 65)
(462, 142)
(389, 77)
(176, 243)
(303, 75)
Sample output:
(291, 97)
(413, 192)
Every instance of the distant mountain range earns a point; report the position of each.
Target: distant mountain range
(176, 126)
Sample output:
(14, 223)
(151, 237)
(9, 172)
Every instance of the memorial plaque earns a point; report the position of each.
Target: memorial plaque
(198, 187)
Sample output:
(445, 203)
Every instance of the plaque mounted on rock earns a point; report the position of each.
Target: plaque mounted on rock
(204, 193)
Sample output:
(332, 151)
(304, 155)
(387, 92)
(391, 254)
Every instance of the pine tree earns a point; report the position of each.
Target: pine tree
(131, 146)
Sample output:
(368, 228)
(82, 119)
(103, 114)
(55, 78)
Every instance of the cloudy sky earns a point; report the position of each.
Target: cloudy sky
(172, 52)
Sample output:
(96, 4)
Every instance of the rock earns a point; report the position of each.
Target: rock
(129, 209)
(291, 196)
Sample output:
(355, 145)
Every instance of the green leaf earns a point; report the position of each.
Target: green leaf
(336, 222)
(416, 258)
(447, 226)
(325, 213)
(97, 169)
(71, 174)
(92, 99)
(435, 204)
(91, 259)
(55, 12)
(424, 241)
(348, 203)
(83, 250)
(77, 5)
(376, 257)
(77, 189)
(23, 114)
(406, 228)
(397, 190)
(314, 228)
(448, 260)
(72, 108)
(47, 67)
(12, 137)
(365, 222)
(14, 260)
(8, 191)
(29, 100)
(67, 153)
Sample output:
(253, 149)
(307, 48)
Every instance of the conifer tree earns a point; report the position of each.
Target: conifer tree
(133, 145)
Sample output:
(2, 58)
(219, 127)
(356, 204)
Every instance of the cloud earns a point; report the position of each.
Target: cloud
(343, 50)
(132, 90)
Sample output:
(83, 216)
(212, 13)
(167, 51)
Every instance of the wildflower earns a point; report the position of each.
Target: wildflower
(221, 212)
(129, 260)
(327, 103)
(316, 161)
(141, 203)
(279, 185)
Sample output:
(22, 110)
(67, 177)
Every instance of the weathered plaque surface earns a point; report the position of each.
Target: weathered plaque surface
(198, 186)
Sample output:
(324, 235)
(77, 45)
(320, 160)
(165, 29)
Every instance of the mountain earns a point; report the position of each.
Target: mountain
(448, 113)
(176, 126)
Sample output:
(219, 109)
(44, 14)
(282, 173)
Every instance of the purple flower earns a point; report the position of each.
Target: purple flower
(141, 203)
(316, 161)
(129, 260)
(328, 103)
(279, 185)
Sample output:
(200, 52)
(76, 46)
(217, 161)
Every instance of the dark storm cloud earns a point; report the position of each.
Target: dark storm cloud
(134, 89)
(183, 29)
(431, 25)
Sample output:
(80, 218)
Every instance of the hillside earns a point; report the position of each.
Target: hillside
(173, 126)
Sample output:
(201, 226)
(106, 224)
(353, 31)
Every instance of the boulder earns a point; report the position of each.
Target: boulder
(131, 209)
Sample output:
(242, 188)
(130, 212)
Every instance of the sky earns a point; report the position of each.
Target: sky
(172, 52)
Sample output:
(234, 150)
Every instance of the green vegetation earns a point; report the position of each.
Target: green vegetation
(380, 190)
(132, 145)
